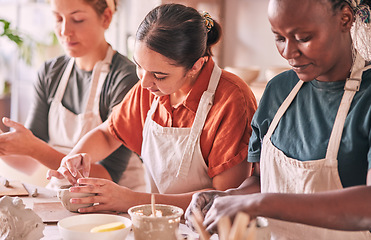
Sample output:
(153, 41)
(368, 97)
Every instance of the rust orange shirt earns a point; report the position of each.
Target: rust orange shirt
(227, 130)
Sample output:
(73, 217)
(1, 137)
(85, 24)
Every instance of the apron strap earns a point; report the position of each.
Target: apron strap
(352, 85)
(100, 72)
(64, 80)
(153, 108)
(282, 109)
(205, 104)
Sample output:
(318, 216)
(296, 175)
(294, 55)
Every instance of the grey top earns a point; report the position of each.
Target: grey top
(121, 78)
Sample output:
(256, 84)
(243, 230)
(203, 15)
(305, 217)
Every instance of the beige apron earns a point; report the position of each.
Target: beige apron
(172, 156)
(281, 174)
(67, 128)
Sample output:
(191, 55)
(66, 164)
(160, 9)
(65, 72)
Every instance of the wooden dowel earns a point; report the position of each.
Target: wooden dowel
(197, 221)
(239, 226)
(250, 233)
(224, 227)
(153, 206)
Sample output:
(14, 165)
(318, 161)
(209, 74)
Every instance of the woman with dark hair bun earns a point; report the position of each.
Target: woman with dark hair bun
(188, 119)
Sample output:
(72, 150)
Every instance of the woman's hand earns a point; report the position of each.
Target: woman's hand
(109, 195)
(72, 168)
(17, 142)
(201, 201)
(230, 206)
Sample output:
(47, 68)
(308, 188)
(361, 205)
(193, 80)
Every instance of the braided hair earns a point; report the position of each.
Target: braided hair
(361, 29)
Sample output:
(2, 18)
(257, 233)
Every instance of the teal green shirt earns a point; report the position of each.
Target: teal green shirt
(305, 128)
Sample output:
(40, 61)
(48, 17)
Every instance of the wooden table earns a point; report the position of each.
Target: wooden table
(51, 231)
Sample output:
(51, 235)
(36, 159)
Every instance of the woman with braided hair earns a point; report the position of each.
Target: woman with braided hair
(188, 119)
(311, 140)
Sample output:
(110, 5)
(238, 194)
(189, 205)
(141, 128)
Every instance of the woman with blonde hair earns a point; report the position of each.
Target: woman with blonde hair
(74, 93)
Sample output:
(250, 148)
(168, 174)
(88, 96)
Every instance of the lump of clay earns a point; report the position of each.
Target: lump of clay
(18, 222)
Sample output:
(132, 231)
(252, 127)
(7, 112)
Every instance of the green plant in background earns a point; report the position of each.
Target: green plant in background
(23, 42)
(13, 36)
(10, 33)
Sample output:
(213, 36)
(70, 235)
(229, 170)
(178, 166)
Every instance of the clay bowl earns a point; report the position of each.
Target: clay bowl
(271, 72)
(162, 227)
(78, 227)
(65, 195)
(248, 74)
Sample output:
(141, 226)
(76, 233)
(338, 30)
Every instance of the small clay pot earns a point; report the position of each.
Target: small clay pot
(147, 227)
(65, 195)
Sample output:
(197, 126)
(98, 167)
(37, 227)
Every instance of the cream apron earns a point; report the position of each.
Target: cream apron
(281, 174)
(67, 128)
(172, 156)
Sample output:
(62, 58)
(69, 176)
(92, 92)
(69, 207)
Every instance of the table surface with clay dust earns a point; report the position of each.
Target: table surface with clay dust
(48, 207)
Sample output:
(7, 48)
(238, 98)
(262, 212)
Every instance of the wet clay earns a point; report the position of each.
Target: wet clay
(65, 195)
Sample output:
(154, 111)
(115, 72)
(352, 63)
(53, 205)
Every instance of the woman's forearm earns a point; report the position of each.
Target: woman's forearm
(36, 151)
(46, 154)
(346, 209)
(98, 143)
(250, 185)
(23, 163)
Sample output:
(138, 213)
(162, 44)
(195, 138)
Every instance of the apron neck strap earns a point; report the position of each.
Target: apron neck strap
(99, 75)
(282, 109)
(204, 106)
(64, 80)
(352, 85)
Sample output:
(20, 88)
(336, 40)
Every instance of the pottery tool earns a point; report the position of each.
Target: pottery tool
(224, 228)
(34, 193)
(197, 220)
(153, 206)
(14, 188)
(239, 226)
(6, 182)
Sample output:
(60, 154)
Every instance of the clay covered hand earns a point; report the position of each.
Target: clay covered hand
(72, 168)
(230, 206)
(201, 201)
(109, 196)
